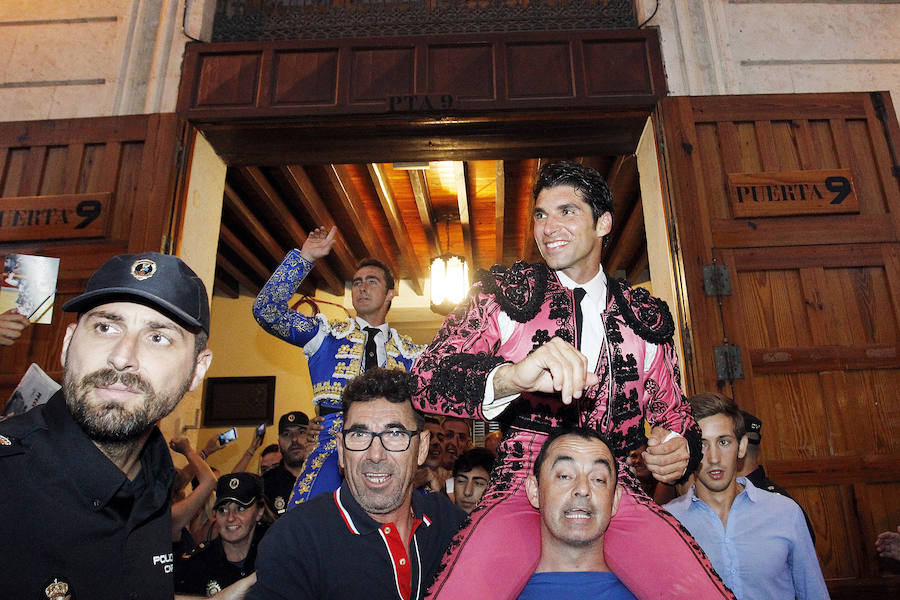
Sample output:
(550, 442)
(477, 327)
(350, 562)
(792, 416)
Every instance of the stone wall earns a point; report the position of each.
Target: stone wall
(84, 58)
(715, 47)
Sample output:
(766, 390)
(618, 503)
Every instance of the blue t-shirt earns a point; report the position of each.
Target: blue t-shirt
(578, 584)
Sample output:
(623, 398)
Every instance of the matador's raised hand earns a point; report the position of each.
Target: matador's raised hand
(318, 243)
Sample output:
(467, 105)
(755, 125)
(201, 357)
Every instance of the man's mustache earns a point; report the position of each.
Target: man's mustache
(108, 377)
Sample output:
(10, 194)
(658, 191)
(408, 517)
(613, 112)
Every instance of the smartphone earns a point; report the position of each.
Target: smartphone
(261, 430)
(227, 436)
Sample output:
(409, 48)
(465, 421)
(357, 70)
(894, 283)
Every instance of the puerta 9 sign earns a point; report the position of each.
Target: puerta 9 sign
(69, 216)
(790, 193)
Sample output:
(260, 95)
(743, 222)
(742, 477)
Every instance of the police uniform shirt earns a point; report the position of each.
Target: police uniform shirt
(206, 571)
(278, 483)
(72, 523)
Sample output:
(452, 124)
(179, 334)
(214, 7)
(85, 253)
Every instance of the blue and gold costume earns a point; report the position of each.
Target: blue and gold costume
(334, 352)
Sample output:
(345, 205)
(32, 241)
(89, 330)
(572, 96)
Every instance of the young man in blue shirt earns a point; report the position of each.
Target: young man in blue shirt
(575, 487)
(756, 540)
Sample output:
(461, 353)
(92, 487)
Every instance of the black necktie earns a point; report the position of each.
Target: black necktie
(579, 318)
(371, 357)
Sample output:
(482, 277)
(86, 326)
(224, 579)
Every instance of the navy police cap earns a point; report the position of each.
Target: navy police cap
(163, 281)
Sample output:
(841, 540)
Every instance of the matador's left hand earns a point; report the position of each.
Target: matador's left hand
(666, 460)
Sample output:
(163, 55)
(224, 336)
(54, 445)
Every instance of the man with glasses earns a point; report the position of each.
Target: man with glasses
(372, 538)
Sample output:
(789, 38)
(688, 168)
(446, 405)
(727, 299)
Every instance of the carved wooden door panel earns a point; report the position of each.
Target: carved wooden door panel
(813, 311)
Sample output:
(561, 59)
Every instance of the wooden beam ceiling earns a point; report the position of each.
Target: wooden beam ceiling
(256, 229)
(398, 226)
(352, 205)
(232, 241)
(312, 203)
(276, 206)
(234, 271)
(398, 217)
(462, 200)
(422, 196)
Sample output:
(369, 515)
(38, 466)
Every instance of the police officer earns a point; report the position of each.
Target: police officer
(752, 470)
(279, 481)
(86, 477)
(213, 567)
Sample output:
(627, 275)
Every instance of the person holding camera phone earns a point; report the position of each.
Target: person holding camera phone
(217, 442)
(255, 442)
(221, 440)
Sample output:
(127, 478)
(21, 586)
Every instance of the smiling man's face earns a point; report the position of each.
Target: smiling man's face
(380, 480)
(577, 492)
(568, 237)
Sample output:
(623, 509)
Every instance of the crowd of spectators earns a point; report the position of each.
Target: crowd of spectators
(411, 493)
(236, 509)
(203, 505)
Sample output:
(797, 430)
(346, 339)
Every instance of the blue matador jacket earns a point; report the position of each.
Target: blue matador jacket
(334, 351)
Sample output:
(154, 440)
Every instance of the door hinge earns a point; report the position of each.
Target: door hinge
(716, 281)
(729, 365)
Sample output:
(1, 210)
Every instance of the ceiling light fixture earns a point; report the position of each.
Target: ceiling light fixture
(449, 279)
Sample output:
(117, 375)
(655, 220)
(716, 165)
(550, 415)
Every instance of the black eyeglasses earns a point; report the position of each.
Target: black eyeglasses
(392, 440)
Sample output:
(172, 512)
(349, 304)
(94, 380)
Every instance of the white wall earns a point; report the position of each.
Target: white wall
(715, 47)
(85, 58)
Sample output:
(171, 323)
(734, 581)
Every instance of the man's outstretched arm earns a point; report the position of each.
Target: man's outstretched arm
(271, 308)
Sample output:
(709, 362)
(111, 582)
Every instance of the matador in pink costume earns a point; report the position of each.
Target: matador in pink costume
(539, 346)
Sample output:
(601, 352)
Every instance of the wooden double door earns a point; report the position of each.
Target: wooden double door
(812, 316)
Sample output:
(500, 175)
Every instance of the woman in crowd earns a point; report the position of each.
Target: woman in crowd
(225, 567)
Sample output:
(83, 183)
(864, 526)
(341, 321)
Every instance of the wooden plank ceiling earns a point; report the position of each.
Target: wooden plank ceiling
(479, 209)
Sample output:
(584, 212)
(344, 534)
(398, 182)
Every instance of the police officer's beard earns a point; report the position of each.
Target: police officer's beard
(289, 457)
(114, 423)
